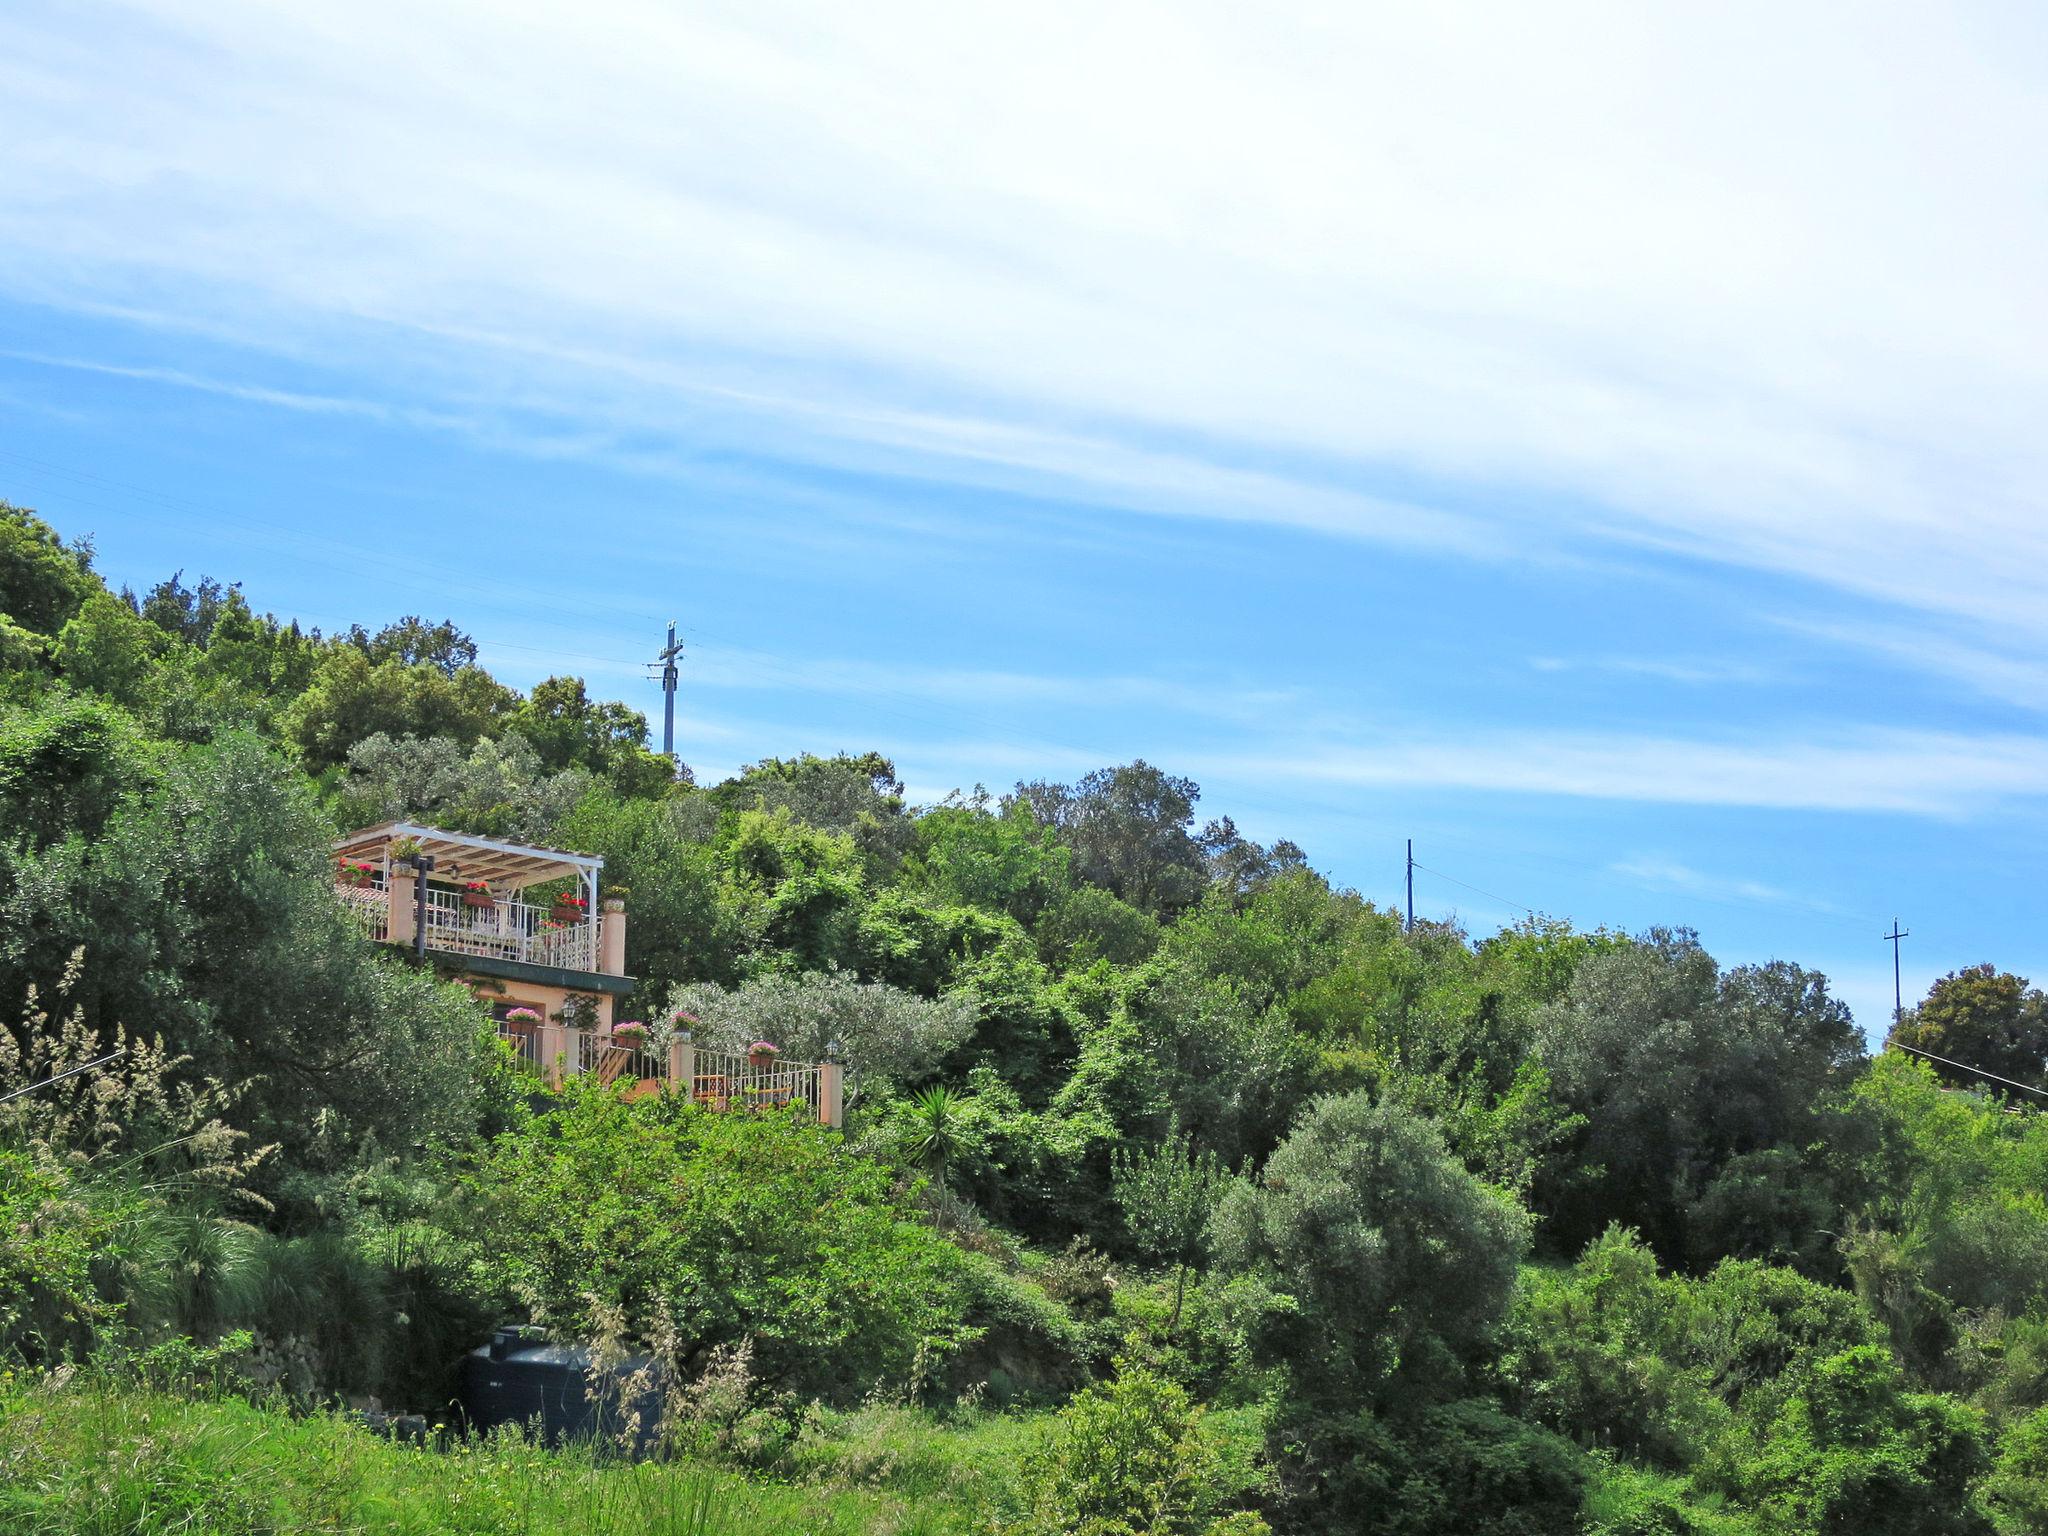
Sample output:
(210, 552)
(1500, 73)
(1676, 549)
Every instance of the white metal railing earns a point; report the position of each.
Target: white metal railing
(370, 906)
(718, 1080)
(508, 930)
(727, 1080)
(524, 1043)
(505, 930)
(618, 1058)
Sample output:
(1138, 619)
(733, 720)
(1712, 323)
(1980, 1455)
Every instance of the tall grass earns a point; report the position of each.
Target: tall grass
(95, 1458)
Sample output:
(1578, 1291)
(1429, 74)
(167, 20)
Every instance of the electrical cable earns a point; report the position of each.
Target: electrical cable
(1966, 1067)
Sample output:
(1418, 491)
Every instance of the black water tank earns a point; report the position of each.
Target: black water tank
(519, 1378)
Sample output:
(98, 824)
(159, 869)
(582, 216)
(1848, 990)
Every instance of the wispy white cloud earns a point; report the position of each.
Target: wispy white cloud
(1986, 668)
(1667, 874)
(1195, 259)
(954, 690)
(1918, 773)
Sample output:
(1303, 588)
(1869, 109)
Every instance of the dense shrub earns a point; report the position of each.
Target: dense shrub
(664, 1222)
(1130, 1457)
(1399, 1261)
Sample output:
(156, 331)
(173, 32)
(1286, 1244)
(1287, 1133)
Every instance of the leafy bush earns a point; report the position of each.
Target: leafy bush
(1853, 1450)
(1130, 1458)
(665, 1223)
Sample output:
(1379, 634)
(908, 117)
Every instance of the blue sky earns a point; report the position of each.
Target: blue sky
(1602, 446)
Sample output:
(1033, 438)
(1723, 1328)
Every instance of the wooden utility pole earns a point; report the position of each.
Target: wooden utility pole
(1898, 997)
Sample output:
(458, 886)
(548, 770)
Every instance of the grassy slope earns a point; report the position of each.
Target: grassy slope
(94, 1458)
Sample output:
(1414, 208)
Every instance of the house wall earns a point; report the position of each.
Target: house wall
(503, 996)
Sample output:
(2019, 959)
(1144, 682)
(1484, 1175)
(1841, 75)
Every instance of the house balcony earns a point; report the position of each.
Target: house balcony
(527, 932)
(526, 926)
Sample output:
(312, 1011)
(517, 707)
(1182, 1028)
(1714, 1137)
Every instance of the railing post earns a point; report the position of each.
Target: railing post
(611, 942)
(561, 1053)
(832, 1091)
(398, 913)
(682, 1064)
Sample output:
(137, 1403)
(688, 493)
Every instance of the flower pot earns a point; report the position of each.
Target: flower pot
(760, 1060)
(483, 901)
(567, 916)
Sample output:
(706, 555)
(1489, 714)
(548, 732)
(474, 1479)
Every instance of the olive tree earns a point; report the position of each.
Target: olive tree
(1398, 1260)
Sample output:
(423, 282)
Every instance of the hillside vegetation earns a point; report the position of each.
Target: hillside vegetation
(1181, 1191)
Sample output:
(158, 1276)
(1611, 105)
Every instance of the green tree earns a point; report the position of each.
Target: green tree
(855, 797)
(2017, 1490)
(350, 698)
(1945, 1216)
(689, 919)
(1399, 1261)
(110, 649)
(43, 581)
(1087, 924)
(1002, 862)
(571, 730)
(1127, 830)
(66, 768)
(1168, 1194)
(415, 642)
(203, 900)
(1853, 1450)
(796, 892)
(1679, 1072)
(495, 788)
(1982, 1018)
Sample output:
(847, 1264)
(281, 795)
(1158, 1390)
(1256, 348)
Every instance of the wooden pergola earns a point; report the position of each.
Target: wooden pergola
(459, 857)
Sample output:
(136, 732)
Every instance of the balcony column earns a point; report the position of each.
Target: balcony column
(682, 1063)
(611, 959)
(399, 891)
(561, 1052)
(832, 1089)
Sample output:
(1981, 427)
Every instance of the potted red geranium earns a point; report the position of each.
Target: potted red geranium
(477, 893)
(354, 873)
(569, 910)
(761, 1055)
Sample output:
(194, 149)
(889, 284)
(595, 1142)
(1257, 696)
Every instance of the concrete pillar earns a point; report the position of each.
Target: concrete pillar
(561, 1053)
(832, 1093)
(611, 945)
(682, 1064)
(398, 924)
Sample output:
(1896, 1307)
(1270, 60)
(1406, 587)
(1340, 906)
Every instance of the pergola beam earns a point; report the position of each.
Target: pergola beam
(462, 857)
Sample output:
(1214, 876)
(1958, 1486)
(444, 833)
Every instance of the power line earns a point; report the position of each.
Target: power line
(1965, 1066)
(1489, 895)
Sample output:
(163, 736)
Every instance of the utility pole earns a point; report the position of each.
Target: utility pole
(1410, 928)
(1898, 998)
(667, 659)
